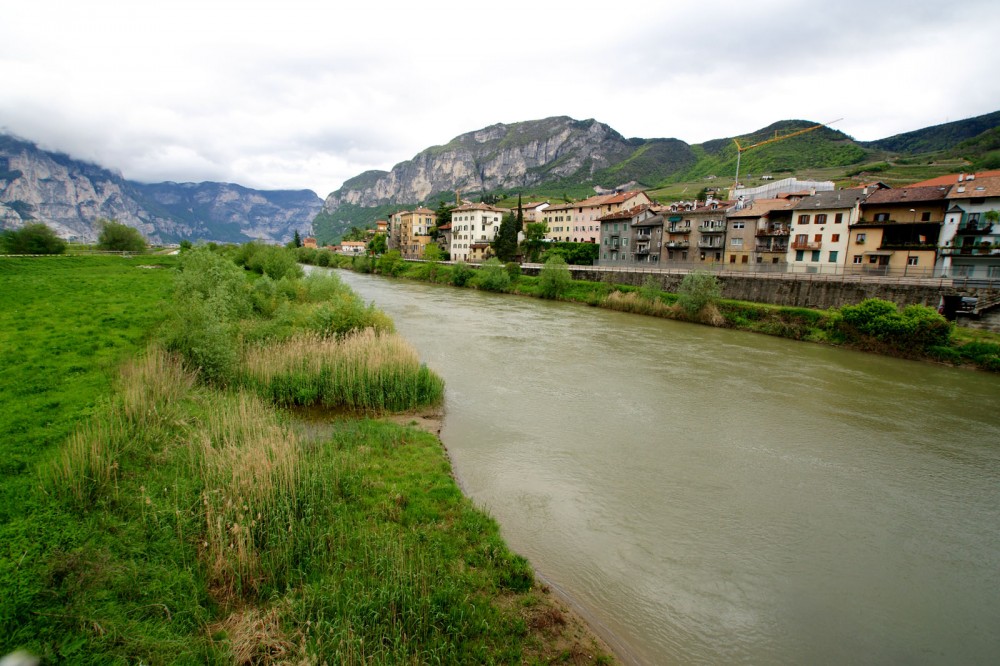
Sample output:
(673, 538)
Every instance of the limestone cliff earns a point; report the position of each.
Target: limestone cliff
(71, 195)
(496, 157)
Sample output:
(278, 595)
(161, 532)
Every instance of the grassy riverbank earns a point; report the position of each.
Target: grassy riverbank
(901, 334)
(159, 507)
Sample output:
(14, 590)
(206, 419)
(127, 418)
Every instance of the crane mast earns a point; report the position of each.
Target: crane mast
(777, 137)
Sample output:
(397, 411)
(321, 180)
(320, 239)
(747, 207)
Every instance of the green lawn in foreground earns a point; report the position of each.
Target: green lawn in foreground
(368, 554)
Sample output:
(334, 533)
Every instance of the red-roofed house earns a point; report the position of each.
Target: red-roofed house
(898, 231)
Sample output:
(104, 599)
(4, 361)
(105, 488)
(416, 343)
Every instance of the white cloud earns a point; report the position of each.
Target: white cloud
(307, 94)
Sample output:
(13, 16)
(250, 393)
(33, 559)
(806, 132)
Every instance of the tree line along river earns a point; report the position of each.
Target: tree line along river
(710, 496)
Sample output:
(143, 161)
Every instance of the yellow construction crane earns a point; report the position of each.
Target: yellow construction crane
(777, 137)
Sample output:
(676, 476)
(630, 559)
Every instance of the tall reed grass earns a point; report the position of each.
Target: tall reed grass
(365, 370)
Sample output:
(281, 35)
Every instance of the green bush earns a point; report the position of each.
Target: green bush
(916, 328)
(361, 264)
(513, 270)
(390, 264)
(554, 278)
(493, 276)
(461, 273)
(34, 238)
(201, 333)
(346, 314)
(207, 276)
(118, 237)
(650, 289)
(697, 290)
(323, 258)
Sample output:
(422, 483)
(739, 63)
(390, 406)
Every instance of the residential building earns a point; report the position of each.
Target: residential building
(353, 248)
(757, 232)
(898, 231)
(309, 241)
(820, 229)
(444, 238)
(578, 222)
(395, 223)
(473, 228)
(694, 232)
(633, 236)
(415, 231)
(533, 212)
(970, 236)
(381, 226)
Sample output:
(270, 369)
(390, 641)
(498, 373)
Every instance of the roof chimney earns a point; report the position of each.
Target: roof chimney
(961, 177)
(812, 191)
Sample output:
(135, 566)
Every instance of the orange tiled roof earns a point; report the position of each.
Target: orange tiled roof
(986, 186)
(902, 195)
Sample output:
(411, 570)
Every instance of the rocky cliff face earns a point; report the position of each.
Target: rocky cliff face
(496, 157)
(70, 196)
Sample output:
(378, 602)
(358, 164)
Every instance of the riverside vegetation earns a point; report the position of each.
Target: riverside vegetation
(159, 507)
(915, 332)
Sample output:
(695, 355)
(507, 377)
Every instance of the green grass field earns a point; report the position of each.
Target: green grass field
(150, 517)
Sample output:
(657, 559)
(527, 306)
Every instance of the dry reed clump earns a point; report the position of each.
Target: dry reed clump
(146, 402)
(366, 370)
(710, 315)
(637, 304)
(255, 637)
(248, 463)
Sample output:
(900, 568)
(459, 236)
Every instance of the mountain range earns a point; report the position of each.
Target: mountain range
(557, 157)
(71, 195)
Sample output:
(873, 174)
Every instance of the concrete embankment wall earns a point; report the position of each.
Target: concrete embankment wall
(806, 291)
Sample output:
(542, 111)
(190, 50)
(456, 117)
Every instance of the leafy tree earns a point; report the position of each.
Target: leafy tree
(442, 217)
(650, 289)
(296, 240)
(186, 245)
(118, 237)
(34, 238)
(505, 243)
(378, 246)
(461, 273)
(697, 290)
(493, 276)
(391, 263)
(534, 240)
(355, 234)
(432, 252)
(554, 278)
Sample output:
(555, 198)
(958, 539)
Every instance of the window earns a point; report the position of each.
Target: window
(814, 255)
(821, 218)
(833, 256)
(838, 218)
(818, 238)
(881, 217)
(860, 240)
(736, 242)
(834, 238)
(801, 238)
(799, 254)
(925, 216)
(732, 258)
(857, 258)
(912, 261)
(745, 259)
(739, 225)
(803, 219)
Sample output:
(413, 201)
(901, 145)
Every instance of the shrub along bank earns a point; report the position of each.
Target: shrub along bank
(915, 332)
(174, 515)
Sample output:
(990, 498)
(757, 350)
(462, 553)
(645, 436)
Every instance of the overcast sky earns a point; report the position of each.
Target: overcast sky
(299, 94)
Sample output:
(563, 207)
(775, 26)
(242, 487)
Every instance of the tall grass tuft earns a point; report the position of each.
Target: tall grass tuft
(636, 303)
(366, 370)
(146, 405)
(248, 465)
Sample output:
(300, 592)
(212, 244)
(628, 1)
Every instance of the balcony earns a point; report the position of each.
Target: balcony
(710, 244)
(679, 230)
(890, 245)
(712, 229)
(806, 245)
(772, 232)
(642, 250)
(777, 248)
(678, 244)
(640, 236)
(971, 251)
(975, 228)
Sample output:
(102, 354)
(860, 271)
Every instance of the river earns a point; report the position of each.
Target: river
(712, 496)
